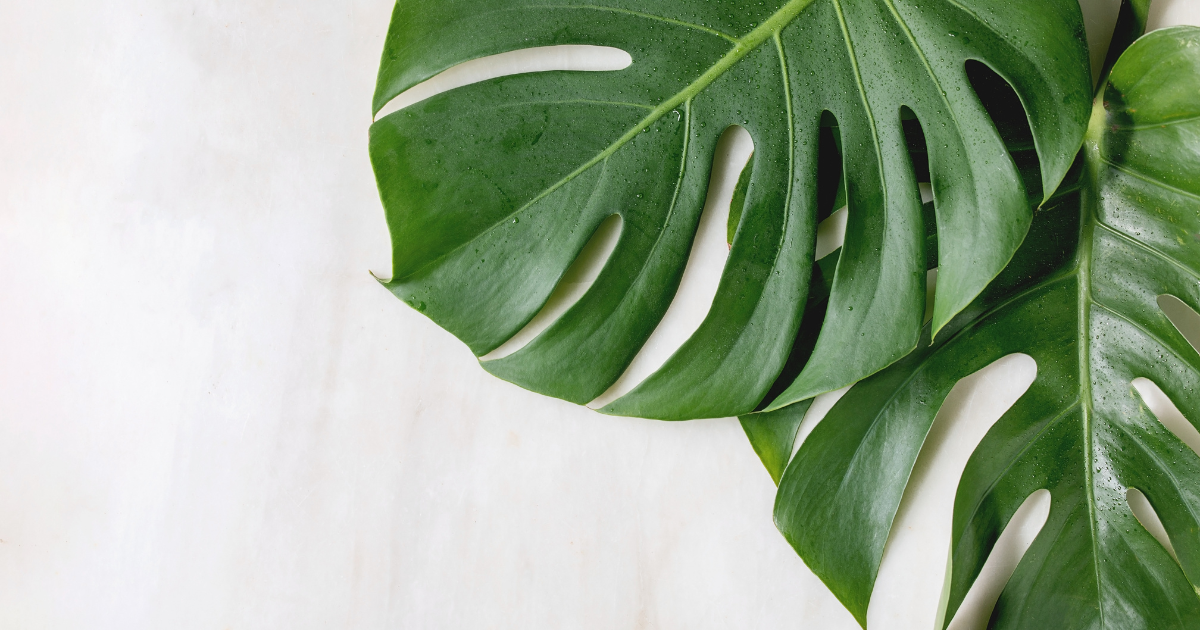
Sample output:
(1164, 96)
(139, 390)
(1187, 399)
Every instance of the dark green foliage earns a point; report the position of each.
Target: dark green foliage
(492, 190)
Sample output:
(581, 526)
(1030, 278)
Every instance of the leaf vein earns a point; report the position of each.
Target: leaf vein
(649, 16)
(1148, 249)
(1157, 125)
(1148, 179)
(1144, 331)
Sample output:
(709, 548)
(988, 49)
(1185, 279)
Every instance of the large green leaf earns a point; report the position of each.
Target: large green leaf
(1080, 298)
(493, 189)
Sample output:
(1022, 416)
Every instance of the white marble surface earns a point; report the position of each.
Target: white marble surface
(212, 417)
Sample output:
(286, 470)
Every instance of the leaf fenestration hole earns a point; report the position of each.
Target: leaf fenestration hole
(701, 275)
(831, 188)
(831, 168)
(1008, 114)
(831, 233)
(1167, 413)
(922, 526)
(541, 59)
(918, 149)
(1185, 320)
(918, 152)
(575, 282)
(1012, 544)
(1145, 514)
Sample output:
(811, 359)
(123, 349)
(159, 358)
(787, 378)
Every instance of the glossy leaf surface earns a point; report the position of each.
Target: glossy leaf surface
(493, 189)
(1081, 299)
(773, 433)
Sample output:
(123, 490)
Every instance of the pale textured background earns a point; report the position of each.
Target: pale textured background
(211, 417)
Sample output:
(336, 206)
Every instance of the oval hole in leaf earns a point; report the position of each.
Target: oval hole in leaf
(701, 276)
(738, 203)
(831, 233)
(918, 152)
(1011, 120)
(914, 557)
(575, 282)
(831, 188)
(831, 191)
(1185, 320)
(1145, 514)
(1012, 544)
(541, 59)
(918, 148)
(831, 181)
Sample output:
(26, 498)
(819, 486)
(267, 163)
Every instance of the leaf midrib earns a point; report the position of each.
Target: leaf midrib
(1088, 222)
(1157, 125)
(1153, 251)
(1148, 179)
(641, 14)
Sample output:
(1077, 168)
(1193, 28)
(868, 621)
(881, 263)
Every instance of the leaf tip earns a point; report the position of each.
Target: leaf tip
(942, 315)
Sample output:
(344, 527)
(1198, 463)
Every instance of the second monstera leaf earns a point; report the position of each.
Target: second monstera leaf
(492, 190)
(1081, 298)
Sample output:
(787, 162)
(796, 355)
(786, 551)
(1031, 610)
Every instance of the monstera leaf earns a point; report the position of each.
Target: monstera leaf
(492, 190)
(1080, 298)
